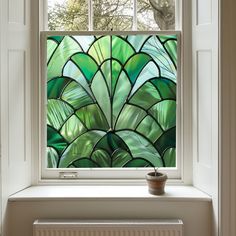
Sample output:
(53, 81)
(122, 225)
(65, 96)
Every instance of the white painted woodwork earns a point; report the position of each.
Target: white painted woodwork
(205, 38)
(15, 85)
(205, 94)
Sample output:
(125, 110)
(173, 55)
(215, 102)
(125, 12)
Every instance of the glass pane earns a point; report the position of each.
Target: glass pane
(112, 14)
(67, 15)
(156, 14)
(112, 104)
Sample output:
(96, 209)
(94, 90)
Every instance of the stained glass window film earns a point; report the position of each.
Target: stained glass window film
(111, 101)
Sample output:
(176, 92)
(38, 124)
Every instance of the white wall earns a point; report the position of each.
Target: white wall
(196, 215)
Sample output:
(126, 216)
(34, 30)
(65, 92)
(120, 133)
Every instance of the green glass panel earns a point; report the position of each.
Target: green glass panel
(57, 112)
(82, 147)
(116, 71)
(121, 49)
(52, 157)
(111, 101)
(102, 158)
(106, 72)
(166, 88)
(56, 86)
(171, 47)
(120, 158)
(135, 65)
(56, 38)
(64, 51)
(146, 96)
(137, 41)
(154, 48)
(76, 96)
(55, 140)
(72, 71)
(165, 113)
(141, 147)
(166, 141)
(150, 129)
(138, 163)
(130, 117)
(149, 71)
(101, 94)
(51, 46)
(84, 41)
(122, 90)
(111, 143)
(169, 157)
(92, 117)
(84, 163)
(100, 50)
(163, 37)
(72, 128)
(86, 64)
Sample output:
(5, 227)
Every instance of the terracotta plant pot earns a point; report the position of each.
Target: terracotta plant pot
(156, 183)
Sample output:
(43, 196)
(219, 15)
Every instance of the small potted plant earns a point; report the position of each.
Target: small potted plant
(156, 182)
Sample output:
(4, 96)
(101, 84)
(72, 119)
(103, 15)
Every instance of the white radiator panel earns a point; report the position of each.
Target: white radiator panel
(108, 228)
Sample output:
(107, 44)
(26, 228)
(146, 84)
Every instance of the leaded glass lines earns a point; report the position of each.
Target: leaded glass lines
(111, 101)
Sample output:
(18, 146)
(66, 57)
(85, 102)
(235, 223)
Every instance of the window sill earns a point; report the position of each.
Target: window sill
(48, 193)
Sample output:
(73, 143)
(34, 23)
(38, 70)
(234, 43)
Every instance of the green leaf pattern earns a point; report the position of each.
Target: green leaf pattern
(111, 101)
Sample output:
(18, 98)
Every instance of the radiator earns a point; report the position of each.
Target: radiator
(108, 228)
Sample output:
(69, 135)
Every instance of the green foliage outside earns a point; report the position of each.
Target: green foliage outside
(112, 14)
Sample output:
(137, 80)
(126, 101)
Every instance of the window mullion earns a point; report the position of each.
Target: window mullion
(90, 15)
(134, 15)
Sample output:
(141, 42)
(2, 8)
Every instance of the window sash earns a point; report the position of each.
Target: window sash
(107, 173)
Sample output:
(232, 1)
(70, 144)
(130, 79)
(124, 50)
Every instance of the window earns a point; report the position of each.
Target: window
(76, 111)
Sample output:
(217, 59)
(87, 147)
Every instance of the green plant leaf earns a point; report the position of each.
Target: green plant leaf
(80, 148)
(57, 112)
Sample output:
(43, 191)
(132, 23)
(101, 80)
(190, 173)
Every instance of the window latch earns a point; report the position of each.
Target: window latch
(68, 175)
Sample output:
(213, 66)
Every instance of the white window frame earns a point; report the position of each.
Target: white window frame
(176, 175)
